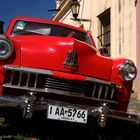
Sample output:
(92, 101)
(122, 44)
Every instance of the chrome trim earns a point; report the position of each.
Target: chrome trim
(55, 92)
(48, 72)
(94, 89)
(103, 114)
(23, 78)
(29, 100)
(26, 69)
(12, 101)
(100, 91)
(29, 103)
(71, 60)
(124, 116)
(106, 91)
(112, 92)
(98, 81)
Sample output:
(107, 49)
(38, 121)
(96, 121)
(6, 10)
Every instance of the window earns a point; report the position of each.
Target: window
(104, 31)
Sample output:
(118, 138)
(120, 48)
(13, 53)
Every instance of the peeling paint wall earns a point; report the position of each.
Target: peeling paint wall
(123, 29)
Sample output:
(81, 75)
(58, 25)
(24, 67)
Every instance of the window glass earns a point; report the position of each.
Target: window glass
(35, 28)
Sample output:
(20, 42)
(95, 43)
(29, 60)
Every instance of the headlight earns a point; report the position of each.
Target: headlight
(5, 48)
(128, 71)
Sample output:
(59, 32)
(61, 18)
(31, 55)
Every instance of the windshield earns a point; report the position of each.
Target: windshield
(35, 28)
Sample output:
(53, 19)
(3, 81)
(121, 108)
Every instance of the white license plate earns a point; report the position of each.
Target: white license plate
(67, 114)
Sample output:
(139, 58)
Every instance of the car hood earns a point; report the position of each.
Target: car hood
(52, 53)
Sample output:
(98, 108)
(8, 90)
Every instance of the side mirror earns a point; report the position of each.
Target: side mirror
(1, 27)
(103, 51)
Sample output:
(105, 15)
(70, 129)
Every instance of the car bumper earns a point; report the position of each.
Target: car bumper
(30, 104)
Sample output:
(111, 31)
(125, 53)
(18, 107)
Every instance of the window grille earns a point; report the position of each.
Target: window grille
(104, 31)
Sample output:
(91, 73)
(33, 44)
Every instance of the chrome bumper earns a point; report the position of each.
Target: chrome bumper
(29, 103)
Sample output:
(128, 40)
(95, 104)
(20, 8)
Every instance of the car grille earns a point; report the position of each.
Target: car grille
(16, 79)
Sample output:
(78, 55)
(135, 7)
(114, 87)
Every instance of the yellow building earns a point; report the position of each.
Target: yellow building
(111, 22)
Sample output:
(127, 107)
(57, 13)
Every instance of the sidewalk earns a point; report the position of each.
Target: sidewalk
(134, 107)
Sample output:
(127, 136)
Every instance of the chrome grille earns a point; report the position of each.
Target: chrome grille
(21, 79)
(104, 92)
(37, 82)
(24, 80)
(66, 85)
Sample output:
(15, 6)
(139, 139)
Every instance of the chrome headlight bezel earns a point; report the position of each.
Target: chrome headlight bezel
(6, 48)
(128, 71)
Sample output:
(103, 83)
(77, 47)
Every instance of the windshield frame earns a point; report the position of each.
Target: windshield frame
(72, 32)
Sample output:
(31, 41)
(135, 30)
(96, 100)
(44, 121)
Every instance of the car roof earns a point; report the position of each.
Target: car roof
(49, 22)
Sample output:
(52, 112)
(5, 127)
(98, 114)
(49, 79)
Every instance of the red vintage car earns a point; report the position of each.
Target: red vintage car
(47, 65)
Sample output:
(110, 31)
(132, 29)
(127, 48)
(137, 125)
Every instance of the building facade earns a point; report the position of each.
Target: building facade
(111, 22)
(138, 47)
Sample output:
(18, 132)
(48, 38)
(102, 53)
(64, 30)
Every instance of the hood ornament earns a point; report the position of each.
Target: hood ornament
(71, 60)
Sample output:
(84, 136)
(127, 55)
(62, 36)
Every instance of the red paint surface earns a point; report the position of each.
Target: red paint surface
(50, 53)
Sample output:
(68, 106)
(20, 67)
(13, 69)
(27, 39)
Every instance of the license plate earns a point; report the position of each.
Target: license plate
(67, 114)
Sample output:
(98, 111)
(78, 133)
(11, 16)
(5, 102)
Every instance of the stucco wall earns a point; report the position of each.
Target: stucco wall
(123, 19)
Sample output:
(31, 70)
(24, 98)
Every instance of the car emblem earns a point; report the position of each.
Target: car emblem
(71, 61)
